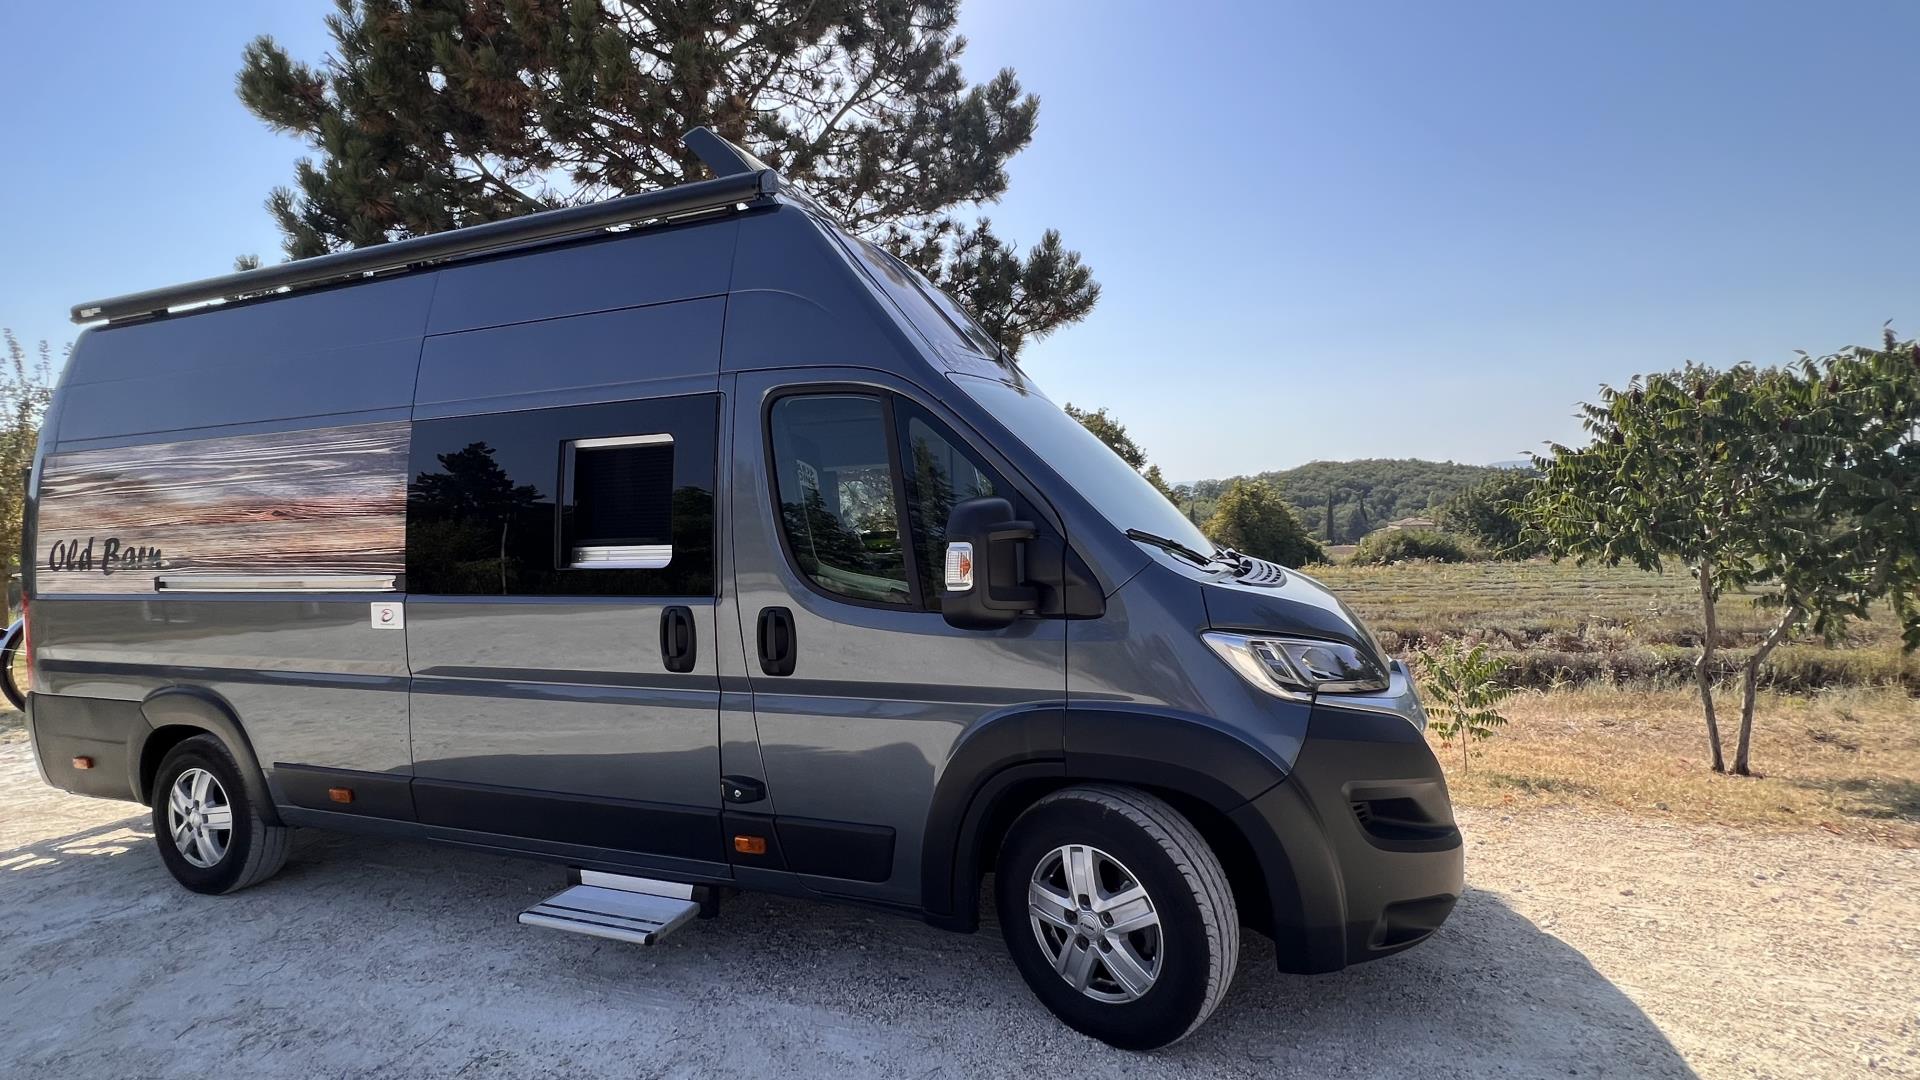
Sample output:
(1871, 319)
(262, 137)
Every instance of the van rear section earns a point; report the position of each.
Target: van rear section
(690, 543)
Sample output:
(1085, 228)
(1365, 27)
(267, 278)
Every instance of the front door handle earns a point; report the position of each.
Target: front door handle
(678, 646)
(777, 645)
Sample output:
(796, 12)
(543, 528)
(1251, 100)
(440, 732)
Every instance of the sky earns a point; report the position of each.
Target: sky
(1323, 231)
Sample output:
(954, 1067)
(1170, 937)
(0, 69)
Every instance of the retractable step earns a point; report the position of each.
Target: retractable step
(639, 910)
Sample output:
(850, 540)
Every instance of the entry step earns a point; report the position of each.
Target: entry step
(620, 914)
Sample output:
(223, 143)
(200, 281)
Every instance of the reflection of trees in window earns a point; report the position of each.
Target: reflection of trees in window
(472, 531)
(866, 501)
(935, 491)
(461, 522)
(842, 558)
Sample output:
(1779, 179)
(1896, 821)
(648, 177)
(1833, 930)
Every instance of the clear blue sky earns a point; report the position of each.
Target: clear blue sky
(1327, 231)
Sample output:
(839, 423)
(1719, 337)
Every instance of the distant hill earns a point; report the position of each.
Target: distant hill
(1366, 494)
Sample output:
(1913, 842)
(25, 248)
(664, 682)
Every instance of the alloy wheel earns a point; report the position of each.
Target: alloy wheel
(1095, 923)
(200, 818)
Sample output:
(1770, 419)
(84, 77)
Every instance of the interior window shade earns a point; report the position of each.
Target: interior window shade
(623, 495)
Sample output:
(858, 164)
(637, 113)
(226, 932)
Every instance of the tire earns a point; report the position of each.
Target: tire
(10, 663)
(1129, 838)
(198, 853)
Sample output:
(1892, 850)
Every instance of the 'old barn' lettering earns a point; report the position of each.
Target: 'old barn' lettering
(73, 555)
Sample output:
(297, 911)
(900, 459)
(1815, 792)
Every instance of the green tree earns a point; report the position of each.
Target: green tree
(433, 114)
(1493, 514)
(1389, 546)
(1463, 692)
(1112, 432)
(1252, 518)
(1801, 483)
(1344, 500)
(26, 387)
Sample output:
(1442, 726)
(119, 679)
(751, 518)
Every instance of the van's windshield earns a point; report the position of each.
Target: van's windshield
(1122, 495)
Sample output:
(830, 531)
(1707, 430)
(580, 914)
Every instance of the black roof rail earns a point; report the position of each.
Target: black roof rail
(746, 181)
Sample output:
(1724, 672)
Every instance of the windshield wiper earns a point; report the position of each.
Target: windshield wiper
(1177, 548)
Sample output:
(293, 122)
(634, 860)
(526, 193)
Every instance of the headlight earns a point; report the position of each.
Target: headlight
(1298, 668)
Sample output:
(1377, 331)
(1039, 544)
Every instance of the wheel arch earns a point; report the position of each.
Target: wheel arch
(178, 713)
(1007, 763)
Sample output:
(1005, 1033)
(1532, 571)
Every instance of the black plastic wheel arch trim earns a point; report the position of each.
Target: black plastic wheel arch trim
(1050, 745)
(193, 707)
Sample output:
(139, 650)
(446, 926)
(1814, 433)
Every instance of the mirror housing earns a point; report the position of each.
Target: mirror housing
(984, 584)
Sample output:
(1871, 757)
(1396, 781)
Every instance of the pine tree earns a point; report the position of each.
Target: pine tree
(434, 114)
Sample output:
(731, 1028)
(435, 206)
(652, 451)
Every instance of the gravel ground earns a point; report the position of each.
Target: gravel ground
(1587, 945)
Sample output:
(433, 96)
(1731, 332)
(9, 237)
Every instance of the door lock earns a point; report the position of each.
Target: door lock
(742, 789)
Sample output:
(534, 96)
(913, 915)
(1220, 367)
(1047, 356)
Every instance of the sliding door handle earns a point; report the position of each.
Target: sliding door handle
(778, 647)
(678, 646)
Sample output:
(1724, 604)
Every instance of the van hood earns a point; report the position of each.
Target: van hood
(1295, 604)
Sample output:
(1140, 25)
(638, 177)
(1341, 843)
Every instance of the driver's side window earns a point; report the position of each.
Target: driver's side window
(838, 500)
(843, 462)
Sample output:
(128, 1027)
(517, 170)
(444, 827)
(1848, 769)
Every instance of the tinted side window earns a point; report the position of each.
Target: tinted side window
(834, 475)
(504, 504)
(940, 473)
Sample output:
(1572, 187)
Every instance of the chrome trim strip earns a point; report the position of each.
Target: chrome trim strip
(275, 582)
(622, 557)
(613, 441)
(1400, 698)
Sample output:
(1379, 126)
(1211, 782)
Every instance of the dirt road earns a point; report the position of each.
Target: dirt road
(1586, 946)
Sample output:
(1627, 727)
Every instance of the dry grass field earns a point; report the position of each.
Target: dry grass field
(1609, 717)
(1846, 761)
(1561, 624)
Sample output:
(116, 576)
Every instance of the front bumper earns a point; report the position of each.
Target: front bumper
(1358, 844)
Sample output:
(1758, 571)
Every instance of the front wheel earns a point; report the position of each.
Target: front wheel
(210, 835)
(1118, 915)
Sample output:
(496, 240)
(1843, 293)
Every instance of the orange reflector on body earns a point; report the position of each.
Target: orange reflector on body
(340, 794)
(750, 845)
(83, 763)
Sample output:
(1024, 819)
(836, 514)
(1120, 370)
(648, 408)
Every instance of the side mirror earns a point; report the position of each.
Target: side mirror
(984, 581)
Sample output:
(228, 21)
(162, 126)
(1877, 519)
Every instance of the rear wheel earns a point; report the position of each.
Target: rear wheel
(1118, 915)
(209, 833)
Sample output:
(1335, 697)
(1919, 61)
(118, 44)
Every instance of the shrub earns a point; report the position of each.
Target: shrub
(1410, 545)
(1252, 518)
(1463, 689)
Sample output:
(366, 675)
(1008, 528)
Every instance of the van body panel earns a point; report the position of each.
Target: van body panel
(797, 301)
(357, 378)
(330, 351)
(1147, 653)
(307, 676)
(607, 356)
(565, 697)
(623, 270)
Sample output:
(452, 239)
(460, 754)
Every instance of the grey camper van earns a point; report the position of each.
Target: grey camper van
(691, 544)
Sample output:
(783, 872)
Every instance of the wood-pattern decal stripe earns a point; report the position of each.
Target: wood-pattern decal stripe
(322, 501)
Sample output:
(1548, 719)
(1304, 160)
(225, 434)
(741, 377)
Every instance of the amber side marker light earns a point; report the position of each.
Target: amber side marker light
(83, 763)
(340, 794)
(750, 845)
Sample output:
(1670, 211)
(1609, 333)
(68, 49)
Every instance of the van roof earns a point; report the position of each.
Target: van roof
(740, 180)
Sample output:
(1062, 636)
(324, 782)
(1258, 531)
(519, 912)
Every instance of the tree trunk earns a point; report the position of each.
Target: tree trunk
(1703, 667)
(1773, 639)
